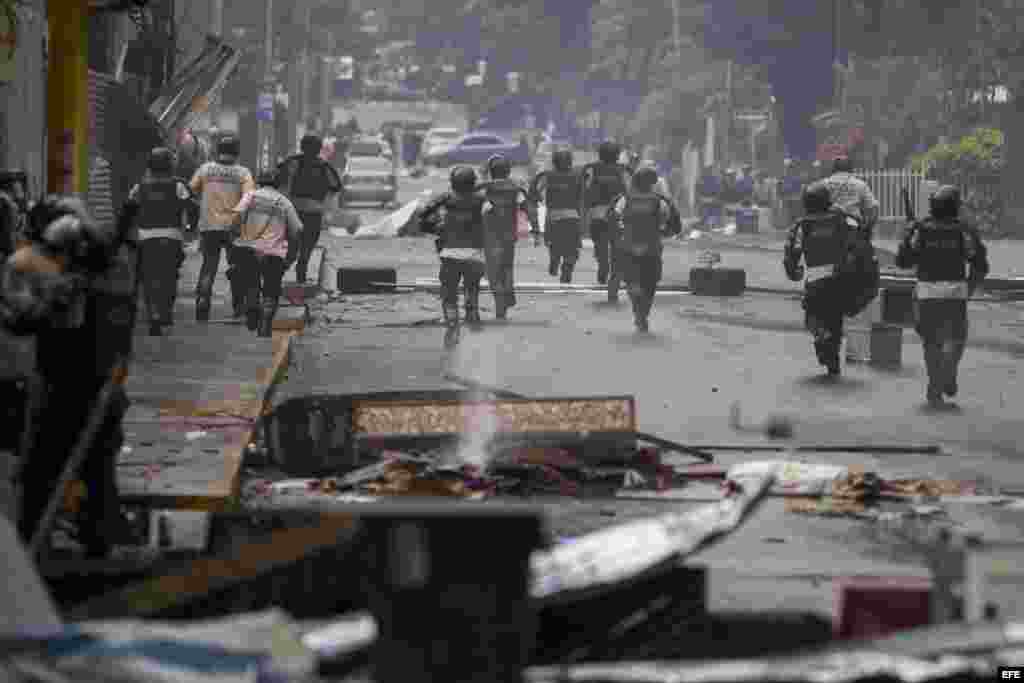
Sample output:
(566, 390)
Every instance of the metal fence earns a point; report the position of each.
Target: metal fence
(888, 185)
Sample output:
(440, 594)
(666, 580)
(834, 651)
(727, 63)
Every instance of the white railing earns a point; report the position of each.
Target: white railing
(887, 186)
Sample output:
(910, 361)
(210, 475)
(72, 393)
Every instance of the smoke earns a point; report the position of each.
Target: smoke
(477, 357)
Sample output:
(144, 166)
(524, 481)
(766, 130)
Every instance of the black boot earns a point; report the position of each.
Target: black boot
(566, 273)
(613, 288)
(202, 309)
(553, 265)
(451, 325)
(266, 323)
(473, 308)
(253, 318)
(155, 329)
(602, 274)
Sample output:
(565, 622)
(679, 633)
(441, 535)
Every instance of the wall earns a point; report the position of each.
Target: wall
(23, 102)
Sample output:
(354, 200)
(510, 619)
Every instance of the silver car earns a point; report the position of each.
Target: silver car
(370, 180)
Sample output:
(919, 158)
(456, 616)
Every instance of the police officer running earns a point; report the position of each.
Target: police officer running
(220, 185)
(310, 183)
(818, 250)
(851, 194)
(505, 199)
(561, 191)
(603, 181)
(460, 245)
(268, 244)
(640, 218)
(951, 261)
(72, 286)
(163, 202)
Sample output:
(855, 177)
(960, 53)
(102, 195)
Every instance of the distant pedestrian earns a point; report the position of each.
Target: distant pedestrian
(951, 261)
(460, 245)
(267, 245)
(163, 206)
(561, 190)
(220, 185)
(851, 194)
(310, 183)
(603, 181)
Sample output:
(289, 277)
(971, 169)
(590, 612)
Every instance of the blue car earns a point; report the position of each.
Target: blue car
(475, 149)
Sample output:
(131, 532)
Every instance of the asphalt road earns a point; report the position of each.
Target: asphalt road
(704, 356)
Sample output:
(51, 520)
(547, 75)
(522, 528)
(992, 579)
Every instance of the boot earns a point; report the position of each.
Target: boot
(253, 317)
(266, 323)
(934, 364)
(202, 309)
(566, 273)
(451, 324)
(473, 308)
(954, 353)
(553, 265)
(155, 329)
(602, 273)
(613, 288)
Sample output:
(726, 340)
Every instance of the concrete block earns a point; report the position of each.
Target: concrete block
(358, 280)
(718, 281)
(879, 345)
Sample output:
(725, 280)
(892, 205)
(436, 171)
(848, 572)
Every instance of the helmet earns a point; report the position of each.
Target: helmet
(463, 179)
(562, 159)
(498, 167)
(817, 198)
(945, 203)
(161, 160)
(842, 165)
(63, 226)
(608, 152)
(645, 179)
(12, 176)
(311, 144)
(229, 146)
(267, 178)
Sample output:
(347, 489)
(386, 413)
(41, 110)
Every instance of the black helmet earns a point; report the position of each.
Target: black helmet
(267, 178)
(645, 179)
(842, 165)
(945, 203)
(463, 179)
(562, 159)
(12, 176)
(498, 167)
(311, 144)
(63, 226)
(161, 160)
(817, 198)
(229, 146)
(608, 152)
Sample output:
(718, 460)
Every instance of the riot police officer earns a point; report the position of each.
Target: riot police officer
(460, 245)
(562, 193)
(13, 208)
(951, 261)
(72, 286)
(817, 250)
(310, 183)
(640, 219)
(603, 181)
(506, 198)
(163, 202)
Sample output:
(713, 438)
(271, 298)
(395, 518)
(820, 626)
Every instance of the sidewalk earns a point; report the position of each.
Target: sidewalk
(196, 394)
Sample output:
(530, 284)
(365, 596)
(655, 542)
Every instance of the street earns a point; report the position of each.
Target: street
(704, 357)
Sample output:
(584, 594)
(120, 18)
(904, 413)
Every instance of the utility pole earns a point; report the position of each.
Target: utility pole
(327, 84)
(266, 128)
(217, 21)
(727, 127)
(676, 33)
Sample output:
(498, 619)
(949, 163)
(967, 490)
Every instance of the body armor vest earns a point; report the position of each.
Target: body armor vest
(504, 195)
(159, 205)
(310, 179)
(942, 251)
(605, 185)
(823, 239)
(463, 222)
(562, 191)
(641, 221)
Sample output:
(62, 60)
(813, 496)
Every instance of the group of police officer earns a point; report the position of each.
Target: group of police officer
(72, 282)
(477, 225)
(830, 250)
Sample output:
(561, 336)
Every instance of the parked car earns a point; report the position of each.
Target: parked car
(475, 148)
(369, 146)
(369, 179)
(439, 140)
